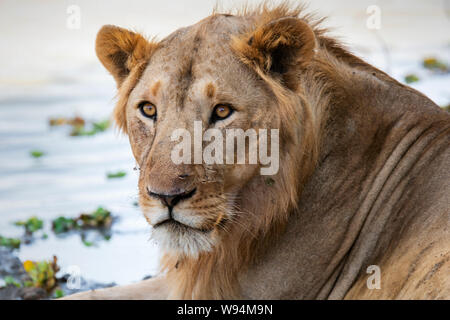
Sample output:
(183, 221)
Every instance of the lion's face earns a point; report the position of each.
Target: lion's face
(191, 78)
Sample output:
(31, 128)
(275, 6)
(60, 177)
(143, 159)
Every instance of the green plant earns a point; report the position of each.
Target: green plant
(42, 274)
(100, 218)
(74, 122)
(58, 294)
(96, 128)
(118, 174)
(88, 243)
(11, 281)
(410, 78)
(434, 64)
(31, 225)
(36, 153)
(13, 243)
(63, 224)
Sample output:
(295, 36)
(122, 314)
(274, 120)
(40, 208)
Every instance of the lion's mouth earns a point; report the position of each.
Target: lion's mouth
(173, 235)
(178, 226)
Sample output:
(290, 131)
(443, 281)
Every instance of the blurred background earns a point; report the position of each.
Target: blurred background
(59, 157)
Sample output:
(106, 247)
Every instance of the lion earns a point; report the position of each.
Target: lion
(363, 182)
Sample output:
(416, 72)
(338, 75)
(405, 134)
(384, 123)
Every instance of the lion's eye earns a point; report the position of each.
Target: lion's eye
(148, 109)
(221, 112)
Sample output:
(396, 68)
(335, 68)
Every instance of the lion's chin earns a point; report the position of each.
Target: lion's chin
(182, 239)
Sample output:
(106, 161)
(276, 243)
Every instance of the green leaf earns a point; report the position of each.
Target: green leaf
(31, 225)
(118, 174)
(98, 219)
(62, 224)
(101, 126)
(58, 294)
(11, 281)
(36, 153)
(28, 284)
(12, 243)
(435, 65)
(410, 78)
(88, 243)
(41, 274)
(96, 128)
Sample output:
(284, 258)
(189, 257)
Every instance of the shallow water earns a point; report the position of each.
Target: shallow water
(71, 177)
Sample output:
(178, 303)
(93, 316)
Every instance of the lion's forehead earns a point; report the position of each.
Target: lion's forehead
(192, 51)
(204, 46)
(192, 59)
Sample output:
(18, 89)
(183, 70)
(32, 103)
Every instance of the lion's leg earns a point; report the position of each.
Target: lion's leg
(151, 289)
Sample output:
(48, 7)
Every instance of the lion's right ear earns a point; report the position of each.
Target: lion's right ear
(277, 47)
(120, 50)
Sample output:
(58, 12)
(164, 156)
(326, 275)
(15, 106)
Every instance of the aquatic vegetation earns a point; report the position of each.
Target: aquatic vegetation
(88, 243)
(410, 78)
(102, 125)
(80, 126)
(96, 127)
(10, 281)
(434, 64)
(63, 224)
(38, 274)
(100, 218)
(58, 294)
(42, 274)
(75, 122)
(31, 225)
(118, 174)
(431, 64)
(12, 243)
(36, 153)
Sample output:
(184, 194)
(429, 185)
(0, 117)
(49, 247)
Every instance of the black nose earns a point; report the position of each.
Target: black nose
(171, 200)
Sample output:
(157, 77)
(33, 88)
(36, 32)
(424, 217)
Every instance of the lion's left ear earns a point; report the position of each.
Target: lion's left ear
(278, 46)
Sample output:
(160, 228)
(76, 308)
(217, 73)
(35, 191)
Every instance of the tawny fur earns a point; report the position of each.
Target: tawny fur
(318, 88)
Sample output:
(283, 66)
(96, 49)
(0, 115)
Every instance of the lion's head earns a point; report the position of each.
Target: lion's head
(227, 71)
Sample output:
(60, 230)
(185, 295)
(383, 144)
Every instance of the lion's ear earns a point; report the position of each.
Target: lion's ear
(120, 50)
(278, 46)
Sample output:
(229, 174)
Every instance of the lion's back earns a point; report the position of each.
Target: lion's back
(414, 260)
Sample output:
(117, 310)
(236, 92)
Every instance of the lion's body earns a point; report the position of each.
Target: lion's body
(379, 196)
(363, 177)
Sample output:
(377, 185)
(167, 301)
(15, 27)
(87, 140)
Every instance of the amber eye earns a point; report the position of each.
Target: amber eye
(148, 109)
(221, 112)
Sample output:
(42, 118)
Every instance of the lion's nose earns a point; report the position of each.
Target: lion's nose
(171, 200)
